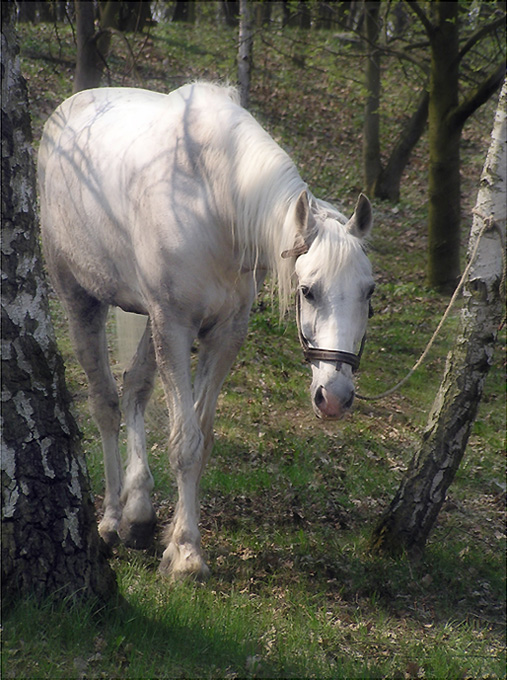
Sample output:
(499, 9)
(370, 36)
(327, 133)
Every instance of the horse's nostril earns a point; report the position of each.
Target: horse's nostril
(331, 405)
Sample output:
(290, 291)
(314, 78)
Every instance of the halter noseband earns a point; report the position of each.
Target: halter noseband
(336, 356)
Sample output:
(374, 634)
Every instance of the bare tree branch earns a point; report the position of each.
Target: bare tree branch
(481, 95)
(419, 12)
(479, 34)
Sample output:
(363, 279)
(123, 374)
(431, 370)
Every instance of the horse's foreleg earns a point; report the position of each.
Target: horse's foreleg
(138, 516)
(217, 352)
(182, 556)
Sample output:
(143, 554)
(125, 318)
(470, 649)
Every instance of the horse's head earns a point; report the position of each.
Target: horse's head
(335, 285)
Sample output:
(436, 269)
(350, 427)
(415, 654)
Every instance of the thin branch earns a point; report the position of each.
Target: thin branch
(403, 56)
(479, 34)
(419, 12)
(481, 95)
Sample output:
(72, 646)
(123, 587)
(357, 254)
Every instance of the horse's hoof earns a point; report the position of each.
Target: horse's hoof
(192, 568)
(138, 535)
(110, 538)
(179, 576)
(109, 533)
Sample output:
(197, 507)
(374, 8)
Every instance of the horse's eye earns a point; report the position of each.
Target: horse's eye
(306, 292)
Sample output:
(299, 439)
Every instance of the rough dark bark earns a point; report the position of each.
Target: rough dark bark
(412, 514)
(50, 545)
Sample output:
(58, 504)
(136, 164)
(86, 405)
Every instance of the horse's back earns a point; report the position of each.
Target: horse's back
(122, 179)
(94, 112)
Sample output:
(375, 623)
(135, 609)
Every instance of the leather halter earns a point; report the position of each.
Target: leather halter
(336, 356)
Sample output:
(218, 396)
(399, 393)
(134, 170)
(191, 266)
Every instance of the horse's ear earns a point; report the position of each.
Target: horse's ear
(361, 221)
(305, 228)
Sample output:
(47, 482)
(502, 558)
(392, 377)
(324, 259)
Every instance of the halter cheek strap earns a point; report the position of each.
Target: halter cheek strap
(336, 356)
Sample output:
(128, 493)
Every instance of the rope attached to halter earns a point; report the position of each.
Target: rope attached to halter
(489, 223)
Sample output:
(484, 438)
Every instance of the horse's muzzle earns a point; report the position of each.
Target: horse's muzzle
(328, 405)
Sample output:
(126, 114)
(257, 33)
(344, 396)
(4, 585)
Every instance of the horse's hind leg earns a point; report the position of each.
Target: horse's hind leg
(138, 517)
(87, 321)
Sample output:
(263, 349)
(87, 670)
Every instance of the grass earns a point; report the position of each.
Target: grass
(288, 503)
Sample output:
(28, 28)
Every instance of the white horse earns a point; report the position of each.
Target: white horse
(175, 206)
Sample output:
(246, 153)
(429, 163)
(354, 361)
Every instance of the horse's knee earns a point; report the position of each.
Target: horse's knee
(105, 410)
(186, 449)
(137, 390)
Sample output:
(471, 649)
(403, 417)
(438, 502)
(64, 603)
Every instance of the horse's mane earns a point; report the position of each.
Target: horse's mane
(265, 187)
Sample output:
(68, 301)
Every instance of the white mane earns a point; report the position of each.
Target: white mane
(256, 186)
(263, 185)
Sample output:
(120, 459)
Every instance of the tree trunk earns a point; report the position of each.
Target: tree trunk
(230, 11)
(50, 545)
(92, 47)
(444, 197)
(411, 515)
(245, 52)
(184, 10)
(371, 134)
(389, 180)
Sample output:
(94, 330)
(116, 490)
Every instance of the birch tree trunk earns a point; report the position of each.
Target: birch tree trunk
(50, 545)
(412, 514)
(245, 52)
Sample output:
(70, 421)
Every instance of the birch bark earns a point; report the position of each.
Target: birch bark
(409, 519)
(50, 544)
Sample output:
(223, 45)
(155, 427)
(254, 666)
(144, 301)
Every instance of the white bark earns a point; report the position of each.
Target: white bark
(411, 515)
(49, 540)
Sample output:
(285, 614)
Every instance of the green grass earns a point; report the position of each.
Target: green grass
(288, 503)
(221, 631)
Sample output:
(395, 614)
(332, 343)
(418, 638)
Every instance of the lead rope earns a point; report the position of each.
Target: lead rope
(489, 223)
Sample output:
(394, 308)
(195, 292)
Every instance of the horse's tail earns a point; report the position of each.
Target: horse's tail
(129, 330)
